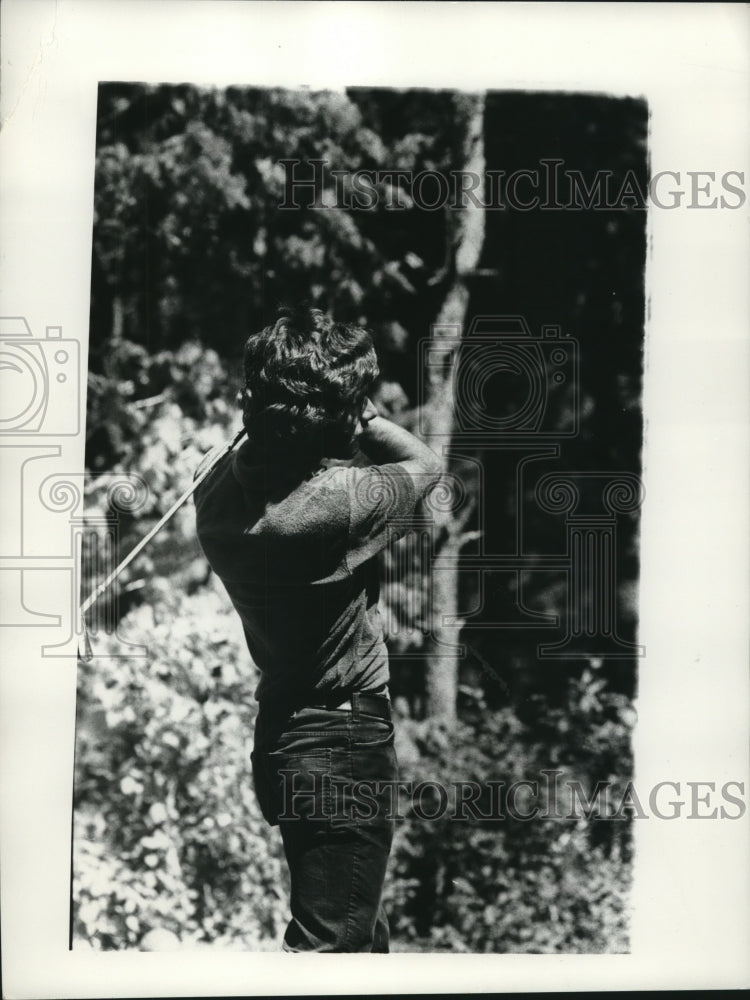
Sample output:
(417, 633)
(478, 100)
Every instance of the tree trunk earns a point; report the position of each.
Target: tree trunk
(466, 235)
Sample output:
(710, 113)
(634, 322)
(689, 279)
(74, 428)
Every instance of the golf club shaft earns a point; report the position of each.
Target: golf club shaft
(97, 593)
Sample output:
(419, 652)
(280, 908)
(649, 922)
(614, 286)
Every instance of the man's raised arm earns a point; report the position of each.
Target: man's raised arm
(384, 442)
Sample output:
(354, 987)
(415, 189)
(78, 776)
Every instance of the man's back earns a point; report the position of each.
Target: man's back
(298, 561)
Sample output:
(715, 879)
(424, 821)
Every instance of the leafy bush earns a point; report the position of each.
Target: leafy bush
(168, 833)
(507, 884)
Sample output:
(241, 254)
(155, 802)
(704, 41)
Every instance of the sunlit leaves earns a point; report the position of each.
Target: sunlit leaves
(168, 832)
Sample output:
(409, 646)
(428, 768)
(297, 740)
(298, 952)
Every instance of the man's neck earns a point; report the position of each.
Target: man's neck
(285, 462)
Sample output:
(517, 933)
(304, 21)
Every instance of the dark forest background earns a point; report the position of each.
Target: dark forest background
(190, 254)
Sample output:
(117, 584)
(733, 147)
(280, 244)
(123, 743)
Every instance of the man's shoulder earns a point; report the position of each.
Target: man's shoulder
(381, 489)
(360, 485)
(343, 500)
(319, 505)
(206, 461)
(208, 483)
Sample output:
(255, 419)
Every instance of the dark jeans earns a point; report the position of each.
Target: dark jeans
(306, 769)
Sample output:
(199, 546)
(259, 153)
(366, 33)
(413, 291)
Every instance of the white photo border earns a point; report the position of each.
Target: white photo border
(691, 902)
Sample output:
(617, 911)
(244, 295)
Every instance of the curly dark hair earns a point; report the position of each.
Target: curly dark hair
(306, 379)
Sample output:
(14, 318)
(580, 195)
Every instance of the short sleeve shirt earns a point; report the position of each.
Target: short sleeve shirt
(299, 562)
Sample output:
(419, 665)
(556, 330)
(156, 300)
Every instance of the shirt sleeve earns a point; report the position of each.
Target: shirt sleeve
(382, 499)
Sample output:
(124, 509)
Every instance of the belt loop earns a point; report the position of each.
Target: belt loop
(355, 706)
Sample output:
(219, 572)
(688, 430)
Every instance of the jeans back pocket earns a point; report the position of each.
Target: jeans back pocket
(300, 785)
